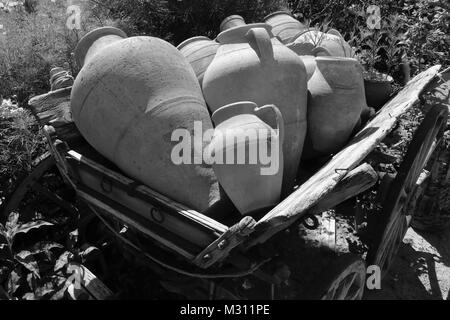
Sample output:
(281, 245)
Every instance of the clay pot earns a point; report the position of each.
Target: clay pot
(335, 104)
(252, 65)
(127, 100)
(378, 92)
(200, 52)
(331, 43)
(284, 25)
(250, 182)
(308, 52)
(231, 22)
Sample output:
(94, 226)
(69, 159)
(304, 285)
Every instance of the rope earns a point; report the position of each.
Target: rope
(175, 269)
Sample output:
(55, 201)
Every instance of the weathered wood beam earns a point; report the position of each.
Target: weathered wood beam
(326, 179)
(355, 182)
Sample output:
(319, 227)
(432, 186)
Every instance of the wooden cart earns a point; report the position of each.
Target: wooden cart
(200, 257)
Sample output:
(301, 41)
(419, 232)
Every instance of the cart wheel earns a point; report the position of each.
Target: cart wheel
(404, 191)
(34, 184)
(345, 279)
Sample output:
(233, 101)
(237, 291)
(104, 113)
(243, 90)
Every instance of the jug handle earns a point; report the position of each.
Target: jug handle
(278, 116)
(259, 39)
(317, 50)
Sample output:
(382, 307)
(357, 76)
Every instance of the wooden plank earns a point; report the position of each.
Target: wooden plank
(86, 285)
(134, 224)
(326, 179)
(355, 182)
(94, 285)
(53, 109)
(220, 248)
(52, 105)
(149, 195)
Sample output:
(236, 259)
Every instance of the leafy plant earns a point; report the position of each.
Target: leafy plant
(42, 270)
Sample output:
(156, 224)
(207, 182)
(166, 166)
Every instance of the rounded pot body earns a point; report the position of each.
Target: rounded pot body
(284, 25)
(130, 101)
(377, 92)
(335, 104)
(246, 155)
(332, 42)
(200, 52)
(252, 65)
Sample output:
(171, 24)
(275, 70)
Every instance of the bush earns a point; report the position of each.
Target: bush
(37, 39)
(176, 21)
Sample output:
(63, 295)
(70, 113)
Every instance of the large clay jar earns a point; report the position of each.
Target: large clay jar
(246, 155)
(332, 43)
(252, 65)
(307, 52)
(284, 25)
(336, 101)
(128, 100)
(200, 52)
(231, 22)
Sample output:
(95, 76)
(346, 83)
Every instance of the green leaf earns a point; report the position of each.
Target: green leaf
(29, 296)
(26, 227)
(27, 259)
(12, 221)
(63, 260)
(46, 247)
(14, 282)
(90, 253)
(2, 231)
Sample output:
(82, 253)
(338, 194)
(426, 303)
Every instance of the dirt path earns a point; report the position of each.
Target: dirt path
(421, 270)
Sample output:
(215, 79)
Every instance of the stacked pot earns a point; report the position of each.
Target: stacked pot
(336, 97)
(233, 111)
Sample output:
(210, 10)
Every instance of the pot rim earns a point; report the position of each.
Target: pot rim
(270, 15)
(335, 58)
(266, 26)
(192, 39)
(89, 38)
(232, 17)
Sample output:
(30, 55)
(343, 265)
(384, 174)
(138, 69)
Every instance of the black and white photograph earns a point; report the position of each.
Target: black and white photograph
(225, 157)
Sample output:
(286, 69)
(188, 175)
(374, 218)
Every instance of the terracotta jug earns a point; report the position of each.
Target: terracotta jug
(284, 25)
(307, 52)
(200, 52)
(252, 65)
(335, 104)
(231, 22)
(250, 180)
(332, 43)
(129, 98)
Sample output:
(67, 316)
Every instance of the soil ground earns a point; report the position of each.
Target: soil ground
(420, 271)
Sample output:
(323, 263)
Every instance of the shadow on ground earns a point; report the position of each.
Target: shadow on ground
(421, 270)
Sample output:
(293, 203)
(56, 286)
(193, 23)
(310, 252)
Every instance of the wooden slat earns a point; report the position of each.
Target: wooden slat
(220, 248)
(90, 287)
(355, 182)
(326, 179)
(52, 105)
(150, 195)
(134, 224)
(53, 109)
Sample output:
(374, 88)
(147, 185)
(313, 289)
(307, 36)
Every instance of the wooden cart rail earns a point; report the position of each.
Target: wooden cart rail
(326, 179)
(206, 241)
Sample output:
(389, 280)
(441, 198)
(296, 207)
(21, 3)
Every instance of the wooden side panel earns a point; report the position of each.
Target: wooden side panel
(326, 179)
